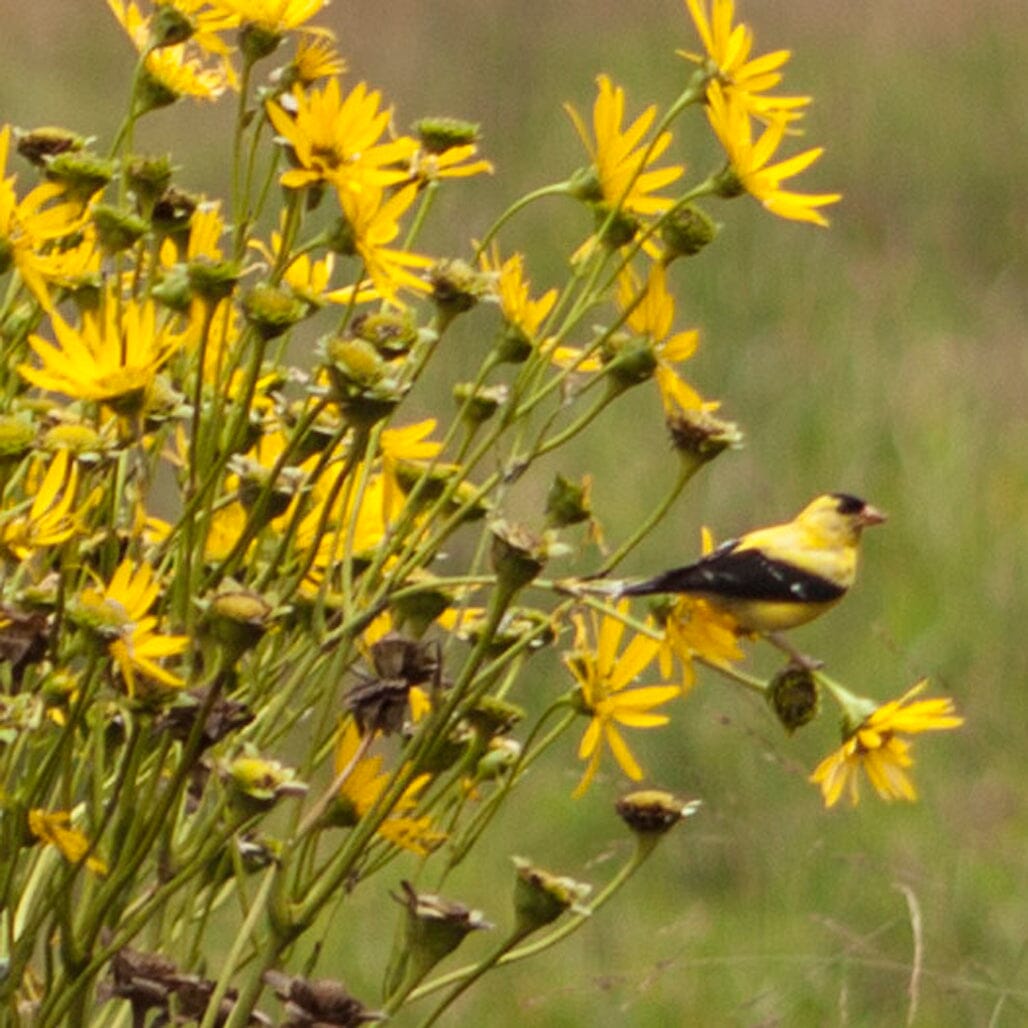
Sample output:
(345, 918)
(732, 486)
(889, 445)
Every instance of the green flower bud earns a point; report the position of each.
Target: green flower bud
(567, 503)
(117, 230)
(517, 555)
(687, 231)
(257, 42)
(629, 360)
(728, 185)
(366, 389)
(169, 26)
(212, 280)
(585, 185)
(513, 346)
(617, 231)
(700, 435)
(437, 135)
(173, 211)
(436, 926)
(81, 173)
(272, 310)
(479, 405)
(793, 696)
(540, 897)
(257, 784)
(456, 287)
(652, 812)
(237, 620)
(149, 178)
(17, 436)
(392, 333)
(500, 756)
(43, 144)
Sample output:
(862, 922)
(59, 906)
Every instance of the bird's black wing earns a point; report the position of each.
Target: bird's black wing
(741, 575)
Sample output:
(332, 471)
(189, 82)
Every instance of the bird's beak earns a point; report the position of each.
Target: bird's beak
(871, 516)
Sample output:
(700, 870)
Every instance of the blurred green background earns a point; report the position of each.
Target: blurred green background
(885, 357)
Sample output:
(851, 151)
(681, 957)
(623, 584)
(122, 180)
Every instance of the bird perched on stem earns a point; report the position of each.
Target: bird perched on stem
(776, 578)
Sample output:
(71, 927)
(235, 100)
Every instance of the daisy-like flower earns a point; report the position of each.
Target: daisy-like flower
(652, 317)
(876, 745)
(51, 520)
(727, 59)
(362, 528)
(401, 445)
(523, 315)
(316, 58)
(364, 784)
(53, 828)
(119, 614)
(337, 139)
(28, 225)
(622, 175)
(748, 169)
(113, 358)
(272, 16)
(448, 148)
(604, 680)
(175, 71)
(372, 222)
(694, 629)
(621, 158)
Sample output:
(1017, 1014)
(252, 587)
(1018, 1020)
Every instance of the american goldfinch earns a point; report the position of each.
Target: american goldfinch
(778, 577)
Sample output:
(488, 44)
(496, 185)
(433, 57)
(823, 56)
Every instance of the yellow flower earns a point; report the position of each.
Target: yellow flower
(876, 746)
(53, 828)
(28, 225)
(748, 160)
(363, 527)
(316, 58)
(404, 444)
(522, 314)
(272, 16)
(174, 71)
(112, 358)
(603, 679)
(118, 613)
(694, 629)
(373, 221)
(728, 49)
(621, 158)
(364, 784)
(426, 166)
(51, 519)
(337, 140)
(652, 317)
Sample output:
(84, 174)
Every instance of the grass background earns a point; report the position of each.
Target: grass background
(886, 357)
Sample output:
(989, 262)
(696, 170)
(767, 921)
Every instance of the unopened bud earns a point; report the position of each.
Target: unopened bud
(793, 696)
(540, 897)
(272, 310)
(117, 230)
(517, 555)
(653, 812)
(43, 144)
(687, 231)
(701, 435)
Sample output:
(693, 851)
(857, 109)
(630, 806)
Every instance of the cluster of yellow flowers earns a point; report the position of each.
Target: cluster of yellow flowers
(212, 552)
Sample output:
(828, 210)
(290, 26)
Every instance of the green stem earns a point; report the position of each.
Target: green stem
(687, 469)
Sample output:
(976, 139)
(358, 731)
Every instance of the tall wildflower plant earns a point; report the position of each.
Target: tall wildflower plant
(238, 683)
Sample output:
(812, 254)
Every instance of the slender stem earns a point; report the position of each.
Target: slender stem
(686, 470)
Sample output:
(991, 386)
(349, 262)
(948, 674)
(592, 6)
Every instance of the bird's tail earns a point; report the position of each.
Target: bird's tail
(677, 580)
(609, 588)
